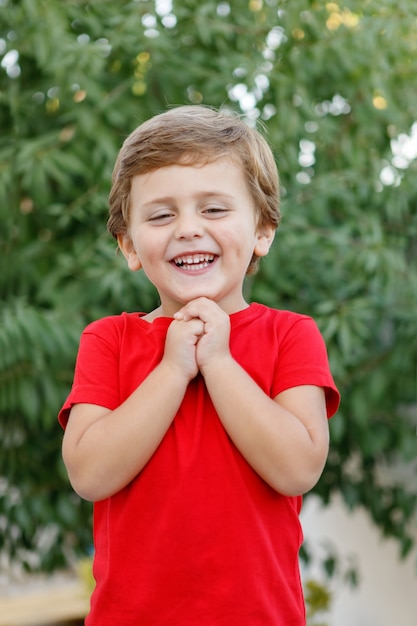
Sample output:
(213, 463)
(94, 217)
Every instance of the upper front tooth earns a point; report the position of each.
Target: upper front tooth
(195, 258)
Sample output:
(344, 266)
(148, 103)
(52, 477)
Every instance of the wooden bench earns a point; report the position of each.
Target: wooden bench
(45, 606)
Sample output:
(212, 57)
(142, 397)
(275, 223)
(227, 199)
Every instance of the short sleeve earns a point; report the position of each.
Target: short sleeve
(96, 370)
(303, 360)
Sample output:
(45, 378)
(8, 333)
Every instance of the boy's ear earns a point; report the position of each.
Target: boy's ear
(265, 237)
(129, 252)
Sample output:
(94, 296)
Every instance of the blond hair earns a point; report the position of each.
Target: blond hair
(191, 135)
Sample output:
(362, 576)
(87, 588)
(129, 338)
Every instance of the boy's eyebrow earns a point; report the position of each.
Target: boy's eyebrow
(199, 195)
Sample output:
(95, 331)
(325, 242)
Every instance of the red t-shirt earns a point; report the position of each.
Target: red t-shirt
(198, 537)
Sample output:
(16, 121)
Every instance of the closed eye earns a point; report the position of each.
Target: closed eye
(163, 216)
(215, 211)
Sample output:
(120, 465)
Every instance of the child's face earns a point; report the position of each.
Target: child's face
(193, 231)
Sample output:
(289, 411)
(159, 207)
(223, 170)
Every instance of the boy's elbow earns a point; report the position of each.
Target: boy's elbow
(301, 477)
(86, 492)
(83, 487)
(297, 485)
(82, 477)
(309, 468)
(303, 482)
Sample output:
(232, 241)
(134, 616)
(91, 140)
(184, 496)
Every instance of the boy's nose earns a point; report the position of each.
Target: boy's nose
(188, 227)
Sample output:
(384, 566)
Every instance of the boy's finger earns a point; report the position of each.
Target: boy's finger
(198, 308)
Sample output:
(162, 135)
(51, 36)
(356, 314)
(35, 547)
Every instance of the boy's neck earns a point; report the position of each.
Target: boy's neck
(159, 312)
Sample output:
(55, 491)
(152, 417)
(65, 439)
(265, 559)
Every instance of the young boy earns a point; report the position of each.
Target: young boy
(195, 428)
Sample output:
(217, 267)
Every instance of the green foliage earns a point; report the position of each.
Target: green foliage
(334, 87)
(318, 600)
(325, 572)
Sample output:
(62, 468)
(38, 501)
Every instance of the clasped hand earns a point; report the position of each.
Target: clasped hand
(198, 337)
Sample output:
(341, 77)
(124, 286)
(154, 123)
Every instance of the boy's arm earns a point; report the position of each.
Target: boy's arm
(284, 439)
(104, 450)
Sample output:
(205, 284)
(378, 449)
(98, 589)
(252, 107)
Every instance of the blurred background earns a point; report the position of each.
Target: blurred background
(333, 86)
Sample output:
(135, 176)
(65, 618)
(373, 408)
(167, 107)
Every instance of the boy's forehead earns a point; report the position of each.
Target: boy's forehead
(191, 159)
(219, 178)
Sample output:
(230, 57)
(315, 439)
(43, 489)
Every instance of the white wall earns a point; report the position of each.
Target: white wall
(387, 593)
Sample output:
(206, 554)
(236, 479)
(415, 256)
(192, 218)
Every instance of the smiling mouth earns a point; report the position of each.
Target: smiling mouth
(193, 261)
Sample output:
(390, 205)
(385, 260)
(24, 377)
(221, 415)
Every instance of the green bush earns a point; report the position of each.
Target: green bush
(333, 86)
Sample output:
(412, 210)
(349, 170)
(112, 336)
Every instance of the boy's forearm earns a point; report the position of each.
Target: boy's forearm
(106, 455)
(281, 448)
